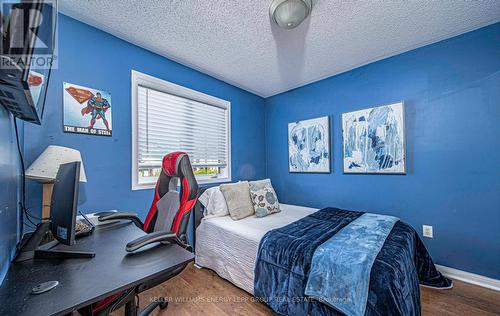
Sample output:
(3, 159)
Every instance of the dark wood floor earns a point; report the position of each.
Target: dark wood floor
(203, 292)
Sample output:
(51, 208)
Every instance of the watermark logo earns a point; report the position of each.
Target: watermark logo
(29, 34)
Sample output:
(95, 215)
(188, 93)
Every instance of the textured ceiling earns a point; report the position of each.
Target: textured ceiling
(235, 41)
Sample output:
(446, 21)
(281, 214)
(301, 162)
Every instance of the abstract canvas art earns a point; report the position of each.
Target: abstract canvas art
(309, 145)
(374, 140)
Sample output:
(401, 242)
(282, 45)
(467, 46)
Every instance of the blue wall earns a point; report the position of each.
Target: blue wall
(451, 94)
(10, 185)
(451, 90)
(93, 58)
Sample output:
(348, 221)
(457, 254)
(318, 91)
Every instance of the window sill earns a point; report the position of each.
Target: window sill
(203, 182)
(213, 181)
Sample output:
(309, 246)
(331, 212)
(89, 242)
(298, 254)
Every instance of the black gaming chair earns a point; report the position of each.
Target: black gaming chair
(166, 222)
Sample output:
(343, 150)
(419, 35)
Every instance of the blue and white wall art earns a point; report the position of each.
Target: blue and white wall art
(309, 145)
(374, 140)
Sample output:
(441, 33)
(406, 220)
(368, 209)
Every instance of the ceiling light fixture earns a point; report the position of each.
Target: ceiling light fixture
(288, 14)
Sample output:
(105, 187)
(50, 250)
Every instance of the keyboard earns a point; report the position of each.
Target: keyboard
(83, 229)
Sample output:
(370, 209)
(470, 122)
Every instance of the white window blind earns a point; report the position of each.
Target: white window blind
(167, 122)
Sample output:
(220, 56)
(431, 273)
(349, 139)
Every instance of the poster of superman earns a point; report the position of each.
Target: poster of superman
(87, 110)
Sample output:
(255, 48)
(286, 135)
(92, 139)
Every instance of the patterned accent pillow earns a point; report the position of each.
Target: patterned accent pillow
(264, 198)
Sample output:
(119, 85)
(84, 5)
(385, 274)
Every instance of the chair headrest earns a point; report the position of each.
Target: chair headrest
(171, 164)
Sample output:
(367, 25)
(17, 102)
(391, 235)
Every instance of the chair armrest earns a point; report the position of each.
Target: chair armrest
(122, 215)
(160, 236)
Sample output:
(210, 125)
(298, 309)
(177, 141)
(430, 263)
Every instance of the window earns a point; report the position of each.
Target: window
(167, 117)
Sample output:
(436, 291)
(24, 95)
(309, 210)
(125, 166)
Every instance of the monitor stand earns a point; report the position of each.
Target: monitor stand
(30, 249)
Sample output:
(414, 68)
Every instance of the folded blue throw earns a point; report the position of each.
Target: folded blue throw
(340, 268)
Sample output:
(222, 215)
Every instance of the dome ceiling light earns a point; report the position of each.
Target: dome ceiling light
(288, 14)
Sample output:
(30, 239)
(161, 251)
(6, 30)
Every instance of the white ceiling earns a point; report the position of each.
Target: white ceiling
(235, 41)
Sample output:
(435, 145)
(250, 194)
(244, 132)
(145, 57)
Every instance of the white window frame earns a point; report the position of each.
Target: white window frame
(148, 81)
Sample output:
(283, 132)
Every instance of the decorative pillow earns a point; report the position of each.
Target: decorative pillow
(238, 201)
(214, 202)
(264, 198)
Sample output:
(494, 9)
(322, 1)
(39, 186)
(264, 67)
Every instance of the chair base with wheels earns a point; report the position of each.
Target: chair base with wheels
(130, 299)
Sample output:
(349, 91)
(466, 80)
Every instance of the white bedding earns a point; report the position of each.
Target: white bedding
(230, 247)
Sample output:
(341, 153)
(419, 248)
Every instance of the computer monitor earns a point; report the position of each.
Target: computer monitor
(62, 221)
(63, 207)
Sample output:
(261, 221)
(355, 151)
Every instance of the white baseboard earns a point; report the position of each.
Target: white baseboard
(468, 277)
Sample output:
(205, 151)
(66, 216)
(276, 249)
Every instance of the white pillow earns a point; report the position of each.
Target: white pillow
(214, 202)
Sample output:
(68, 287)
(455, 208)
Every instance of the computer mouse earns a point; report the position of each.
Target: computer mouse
(44, 287)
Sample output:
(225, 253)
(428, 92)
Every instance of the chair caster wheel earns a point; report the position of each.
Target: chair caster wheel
(164, 304)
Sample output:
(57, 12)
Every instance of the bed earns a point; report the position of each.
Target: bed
(252, 253)
(230, 247)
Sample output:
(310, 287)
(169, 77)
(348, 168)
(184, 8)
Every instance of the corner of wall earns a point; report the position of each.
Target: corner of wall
(266, 129)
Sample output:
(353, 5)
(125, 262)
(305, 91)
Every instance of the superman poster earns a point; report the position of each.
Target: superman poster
(87, 110)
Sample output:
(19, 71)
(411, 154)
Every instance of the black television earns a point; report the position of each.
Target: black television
(28, 29)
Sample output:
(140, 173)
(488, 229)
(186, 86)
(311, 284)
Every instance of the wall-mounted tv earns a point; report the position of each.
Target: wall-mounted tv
(27, 55)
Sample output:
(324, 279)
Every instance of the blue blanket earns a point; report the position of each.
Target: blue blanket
(285, 255)
(347, 256)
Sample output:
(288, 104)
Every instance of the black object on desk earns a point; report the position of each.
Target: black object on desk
(62, 220)
(86, 281)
